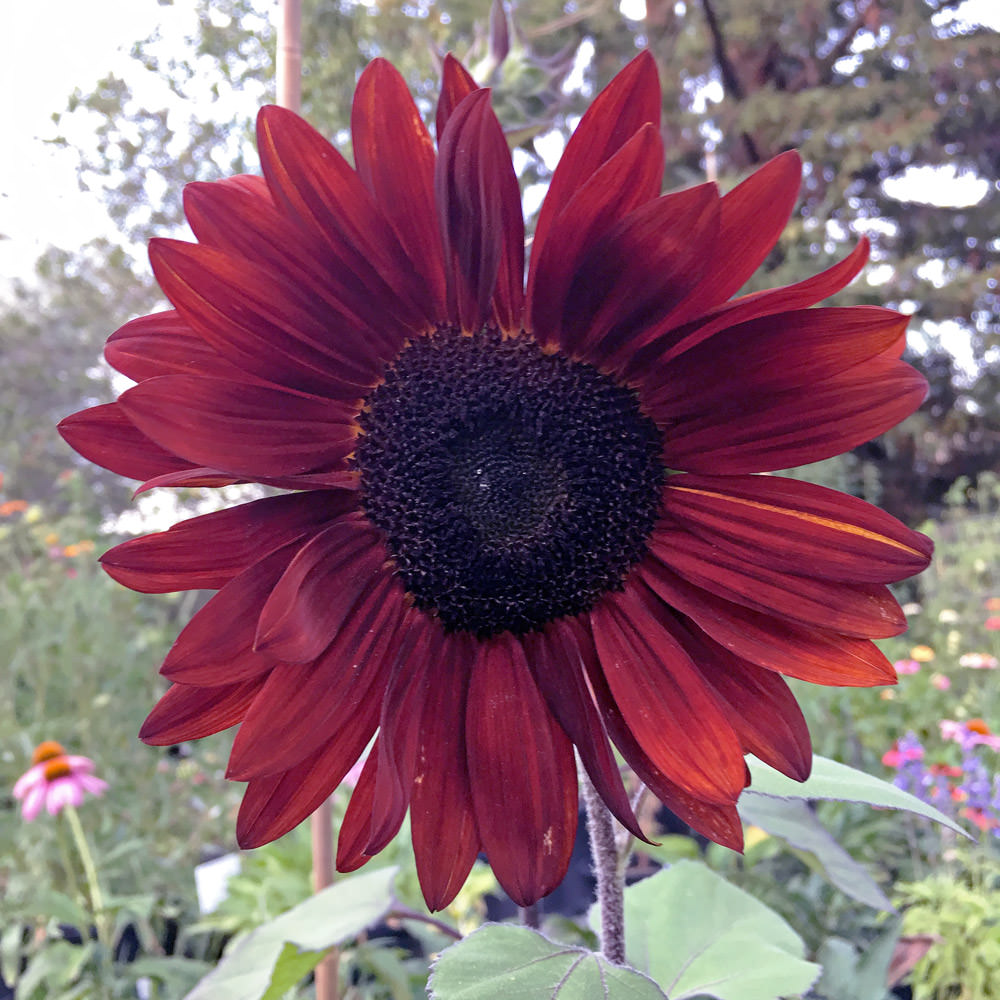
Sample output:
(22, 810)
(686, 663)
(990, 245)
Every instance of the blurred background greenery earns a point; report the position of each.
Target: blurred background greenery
(867, 91)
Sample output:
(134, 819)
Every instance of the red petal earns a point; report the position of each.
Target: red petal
(775, 354)
(758, 703)
(646, 363)
(246, 430)
(322, 583)
(640, 272)
(443, 825)
(752, 218)
(187, 712)
(107, 437)
(555, 662)
(206, 552)
(665, 703)
(866, 610)
(522, 773)
(216, 646)
(456, 85)
(194, 478)
(271, 328)
(480, 205)
(356, 827)
(163, 344)
(299, 261)
(788, 525)
(810, 653)
(314, 184)
(394, 157)
(305, 705)
(630, 101)
(276, 803)
(399, 726)
(759, 431)
(627, 180)
(720, 823)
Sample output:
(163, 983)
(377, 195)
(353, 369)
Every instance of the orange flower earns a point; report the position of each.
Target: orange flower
(13, 507)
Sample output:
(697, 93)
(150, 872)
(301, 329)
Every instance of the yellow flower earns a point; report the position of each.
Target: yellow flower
(922, 654)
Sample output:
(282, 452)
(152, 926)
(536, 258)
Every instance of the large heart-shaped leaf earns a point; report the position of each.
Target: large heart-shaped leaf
(697, 935)
(499, 960)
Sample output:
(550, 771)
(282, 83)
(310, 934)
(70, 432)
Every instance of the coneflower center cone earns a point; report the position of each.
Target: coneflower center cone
(514, 486)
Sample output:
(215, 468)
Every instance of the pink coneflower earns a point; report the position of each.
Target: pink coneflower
(55, 780)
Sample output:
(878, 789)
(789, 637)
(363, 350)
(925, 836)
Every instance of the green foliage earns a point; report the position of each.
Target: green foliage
(499, 960)
(723, 943)
(330, 917)
(962, 909)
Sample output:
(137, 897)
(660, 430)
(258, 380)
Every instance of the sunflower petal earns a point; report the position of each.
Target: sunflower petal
(867, 611)
(628, 179)
(394, 157)
(206, 552)
(667, 706)
(809, 653)
(556, 665)
(520, 764)
(444, 851)
(106, 436)
(246, 430)
(760, 431)
(480, 205)
(632, 99)
(456, 85)
(188, 712)
(305, 705)
(789, 525)
(316, 593)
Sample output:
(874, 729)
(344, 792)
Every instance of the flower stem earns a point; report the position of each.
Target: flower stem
(90, 873)
(327, 973)
(609, 868)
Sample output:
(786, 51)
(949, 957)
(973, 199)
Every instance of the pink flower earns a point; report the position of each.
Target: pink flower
(906, 667)
(55, 780)
(973, 733)
(941, 682)
(897, 756)
(993, 623)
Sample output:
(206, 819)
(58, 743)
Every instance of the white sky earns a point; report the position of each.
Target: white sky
(40, 202)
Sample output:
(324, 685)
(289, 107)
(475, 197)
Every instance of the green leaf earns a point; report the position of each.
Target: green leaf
(293, 965)
(59, 906)
(848, 977)
(514, 962)
(697, 935)
(794, 822)
(334, 915)
(832, 780)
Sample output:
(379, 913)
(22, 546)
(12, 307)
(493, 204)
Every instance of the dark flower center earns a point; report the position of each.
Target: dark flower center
(514, 486)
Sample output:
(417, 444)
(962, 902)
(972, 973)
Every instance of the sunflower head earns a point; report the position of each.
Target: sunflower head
(517, 512)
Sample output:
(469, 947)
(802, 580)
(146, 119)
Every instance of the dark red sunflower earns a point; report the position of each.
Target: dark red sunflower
(517, 519)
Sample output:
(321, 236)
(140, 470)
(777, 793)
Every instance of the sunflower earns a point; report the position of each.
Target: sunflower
(516, 518)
